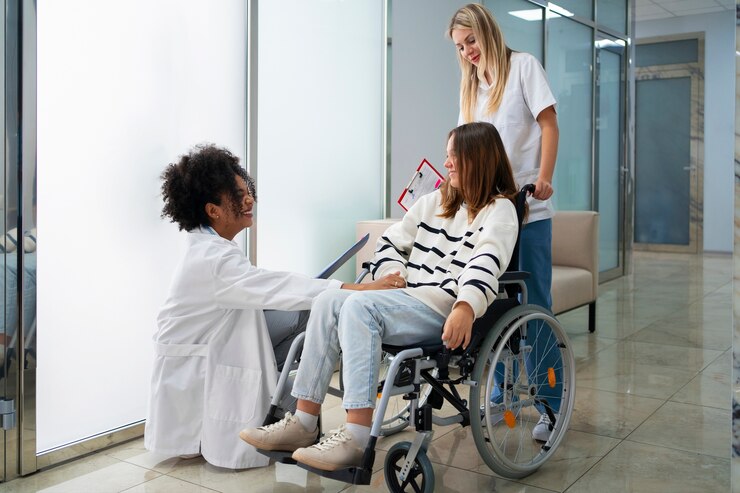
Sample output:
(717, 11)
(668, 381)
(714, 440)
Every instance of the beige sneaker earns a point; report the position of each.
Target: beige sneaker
(287, 434)
(337, 451)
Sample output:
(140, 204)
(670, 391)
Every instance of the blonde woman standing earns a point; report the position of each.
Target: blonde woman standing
(509, 89)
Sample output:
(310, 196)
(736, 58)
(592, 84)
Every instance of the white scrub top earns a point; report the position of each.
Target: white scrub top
(526, 94)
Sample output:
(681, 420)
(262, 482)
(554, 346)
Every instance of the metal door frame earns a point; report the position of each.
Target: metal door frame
(624, 175)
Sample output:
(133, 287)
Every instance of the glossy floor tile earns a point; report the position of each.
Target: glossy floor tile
(652, 410)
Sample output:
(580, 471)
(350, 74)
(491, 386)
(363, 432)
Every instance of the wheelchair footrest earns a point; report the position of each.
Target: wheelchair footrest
(351, 475)
(282, 456)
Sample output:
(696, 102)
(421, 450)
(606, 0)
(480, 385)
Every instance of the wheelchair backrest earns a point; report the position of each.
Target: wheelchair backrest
(520, 202)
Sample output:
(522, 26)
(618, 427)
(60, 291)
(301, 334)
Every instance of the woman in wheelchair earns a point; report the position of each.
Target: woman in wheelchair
(450, 248)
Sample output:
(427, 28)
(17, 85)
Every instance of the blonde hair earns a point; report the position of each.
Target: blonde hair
(495, 58)
(483, 168)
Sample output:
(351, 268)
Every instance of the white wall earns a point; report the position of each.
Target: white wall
(425, 94)
(320, 125)
(719, 116)
(124, 88)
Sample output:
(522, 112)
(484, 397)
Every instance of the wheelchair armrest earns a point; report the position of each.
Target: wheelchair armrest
(513, 276)
(362, 275)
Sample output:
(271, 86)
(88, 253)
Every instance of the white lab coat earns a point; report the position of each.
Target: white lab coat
(214, 368)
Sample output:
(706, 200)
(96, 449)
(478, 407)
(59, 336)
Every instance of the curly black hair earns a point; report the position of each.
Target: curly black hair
(203, 175)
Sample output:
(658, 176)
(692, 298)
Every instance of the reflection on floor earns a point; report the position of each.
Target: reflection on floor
(652, 412)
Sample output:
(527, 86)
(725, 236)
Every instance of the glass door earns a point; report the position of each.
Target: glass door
(668, 146)
(611, 169)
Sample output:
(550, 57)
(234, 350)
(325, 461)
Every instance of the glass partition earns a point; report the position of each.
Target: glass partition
(569, 8)
(320, 153)
(521, 22)
(124, 87)
(569, 70)
(612, 14)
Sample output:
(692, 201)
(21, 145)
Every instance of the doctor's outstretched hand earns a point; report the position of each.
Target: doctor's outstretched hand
(388, 281)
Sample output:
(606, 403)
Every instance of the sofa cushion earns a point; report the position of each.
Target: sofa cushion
(571, 287)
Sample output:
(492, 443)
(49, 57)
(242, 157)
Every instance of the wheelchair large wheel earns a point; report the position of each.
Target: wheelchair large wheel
(397, 416)
(420, 478)
(523, 368)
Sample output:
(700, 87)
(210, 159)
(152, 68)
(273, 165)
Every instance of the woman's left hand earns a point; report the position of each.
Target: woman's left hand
(388, 281)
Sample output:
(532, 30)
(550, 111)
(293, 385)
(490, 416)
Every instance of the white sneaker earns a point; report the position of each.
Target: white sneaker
(288, 434)
(337, 451)
(541, 431)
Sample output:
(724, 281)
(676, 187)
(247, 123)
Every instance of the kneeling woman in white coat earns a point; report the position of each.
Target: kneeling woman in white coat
(214, 369)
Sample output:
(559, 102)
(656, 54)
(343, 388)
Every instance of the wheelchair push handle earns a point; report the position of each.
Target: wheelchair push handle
(529, 188)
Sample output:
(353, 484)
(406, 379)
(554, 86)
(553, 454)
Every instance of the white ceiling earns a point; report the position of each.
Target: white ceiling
(662, 9)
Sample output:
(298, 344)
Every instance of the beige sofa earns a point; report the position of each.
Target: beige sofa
(575, 262)
(575, 258)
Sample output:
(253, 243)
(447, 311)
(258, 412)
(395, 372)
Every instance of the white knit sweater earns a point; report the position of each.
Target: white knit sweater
(449, 260)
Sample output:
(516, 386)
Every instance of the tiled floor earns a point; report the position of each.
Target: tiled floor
(652, 411)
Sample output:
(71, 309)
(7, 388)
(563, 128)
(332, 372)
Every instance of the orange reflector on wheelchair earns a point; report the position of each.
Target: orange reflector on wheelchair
(551, 377)
(509, 419)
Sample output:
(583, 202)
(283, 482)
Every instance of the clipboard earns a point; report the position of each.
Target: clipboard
(426, 179)
(339, 261)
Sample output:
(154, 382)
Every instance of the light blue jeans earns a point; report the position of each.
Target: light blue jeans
(357, 323)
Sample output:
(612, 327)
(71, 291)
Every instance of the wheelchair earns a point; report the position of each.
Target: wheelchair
(518, 366)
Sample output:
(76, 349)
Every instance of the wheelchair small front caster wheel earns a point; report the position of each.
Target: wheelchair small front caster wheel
(420, 477)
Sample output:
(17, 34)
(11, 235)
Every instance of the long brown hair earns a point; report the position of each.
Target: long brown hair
(483, 169)
(495, 58)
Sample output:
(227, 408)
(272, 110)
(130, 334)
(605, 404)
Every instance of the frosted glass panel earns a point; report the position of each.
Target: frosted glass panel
(124, 88)
(521, 23)
(320, 121)
(569, 72)
(609, 138)
(662, 160)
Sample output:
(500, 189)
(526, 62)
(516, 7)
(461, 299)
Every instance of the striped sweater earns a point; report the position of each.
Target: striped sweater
(449, 260)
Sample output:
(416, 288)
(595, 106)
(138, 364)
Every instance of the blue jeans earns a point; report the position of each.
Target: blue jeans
(357, 323)
(535, 257)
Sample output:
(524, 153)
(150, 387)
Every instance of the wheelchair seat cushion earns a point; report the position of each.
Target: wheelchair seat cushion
(429, 349)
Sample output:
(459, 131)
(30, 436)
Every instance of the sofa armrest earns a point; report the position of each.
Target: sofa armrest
(575, 241)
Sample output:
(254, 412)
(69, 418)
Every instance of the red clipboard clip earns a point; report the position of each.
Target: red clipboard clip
(426, 179)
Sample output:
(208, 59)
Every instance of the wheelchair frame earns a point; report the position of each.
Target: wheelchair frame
(499, 334)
